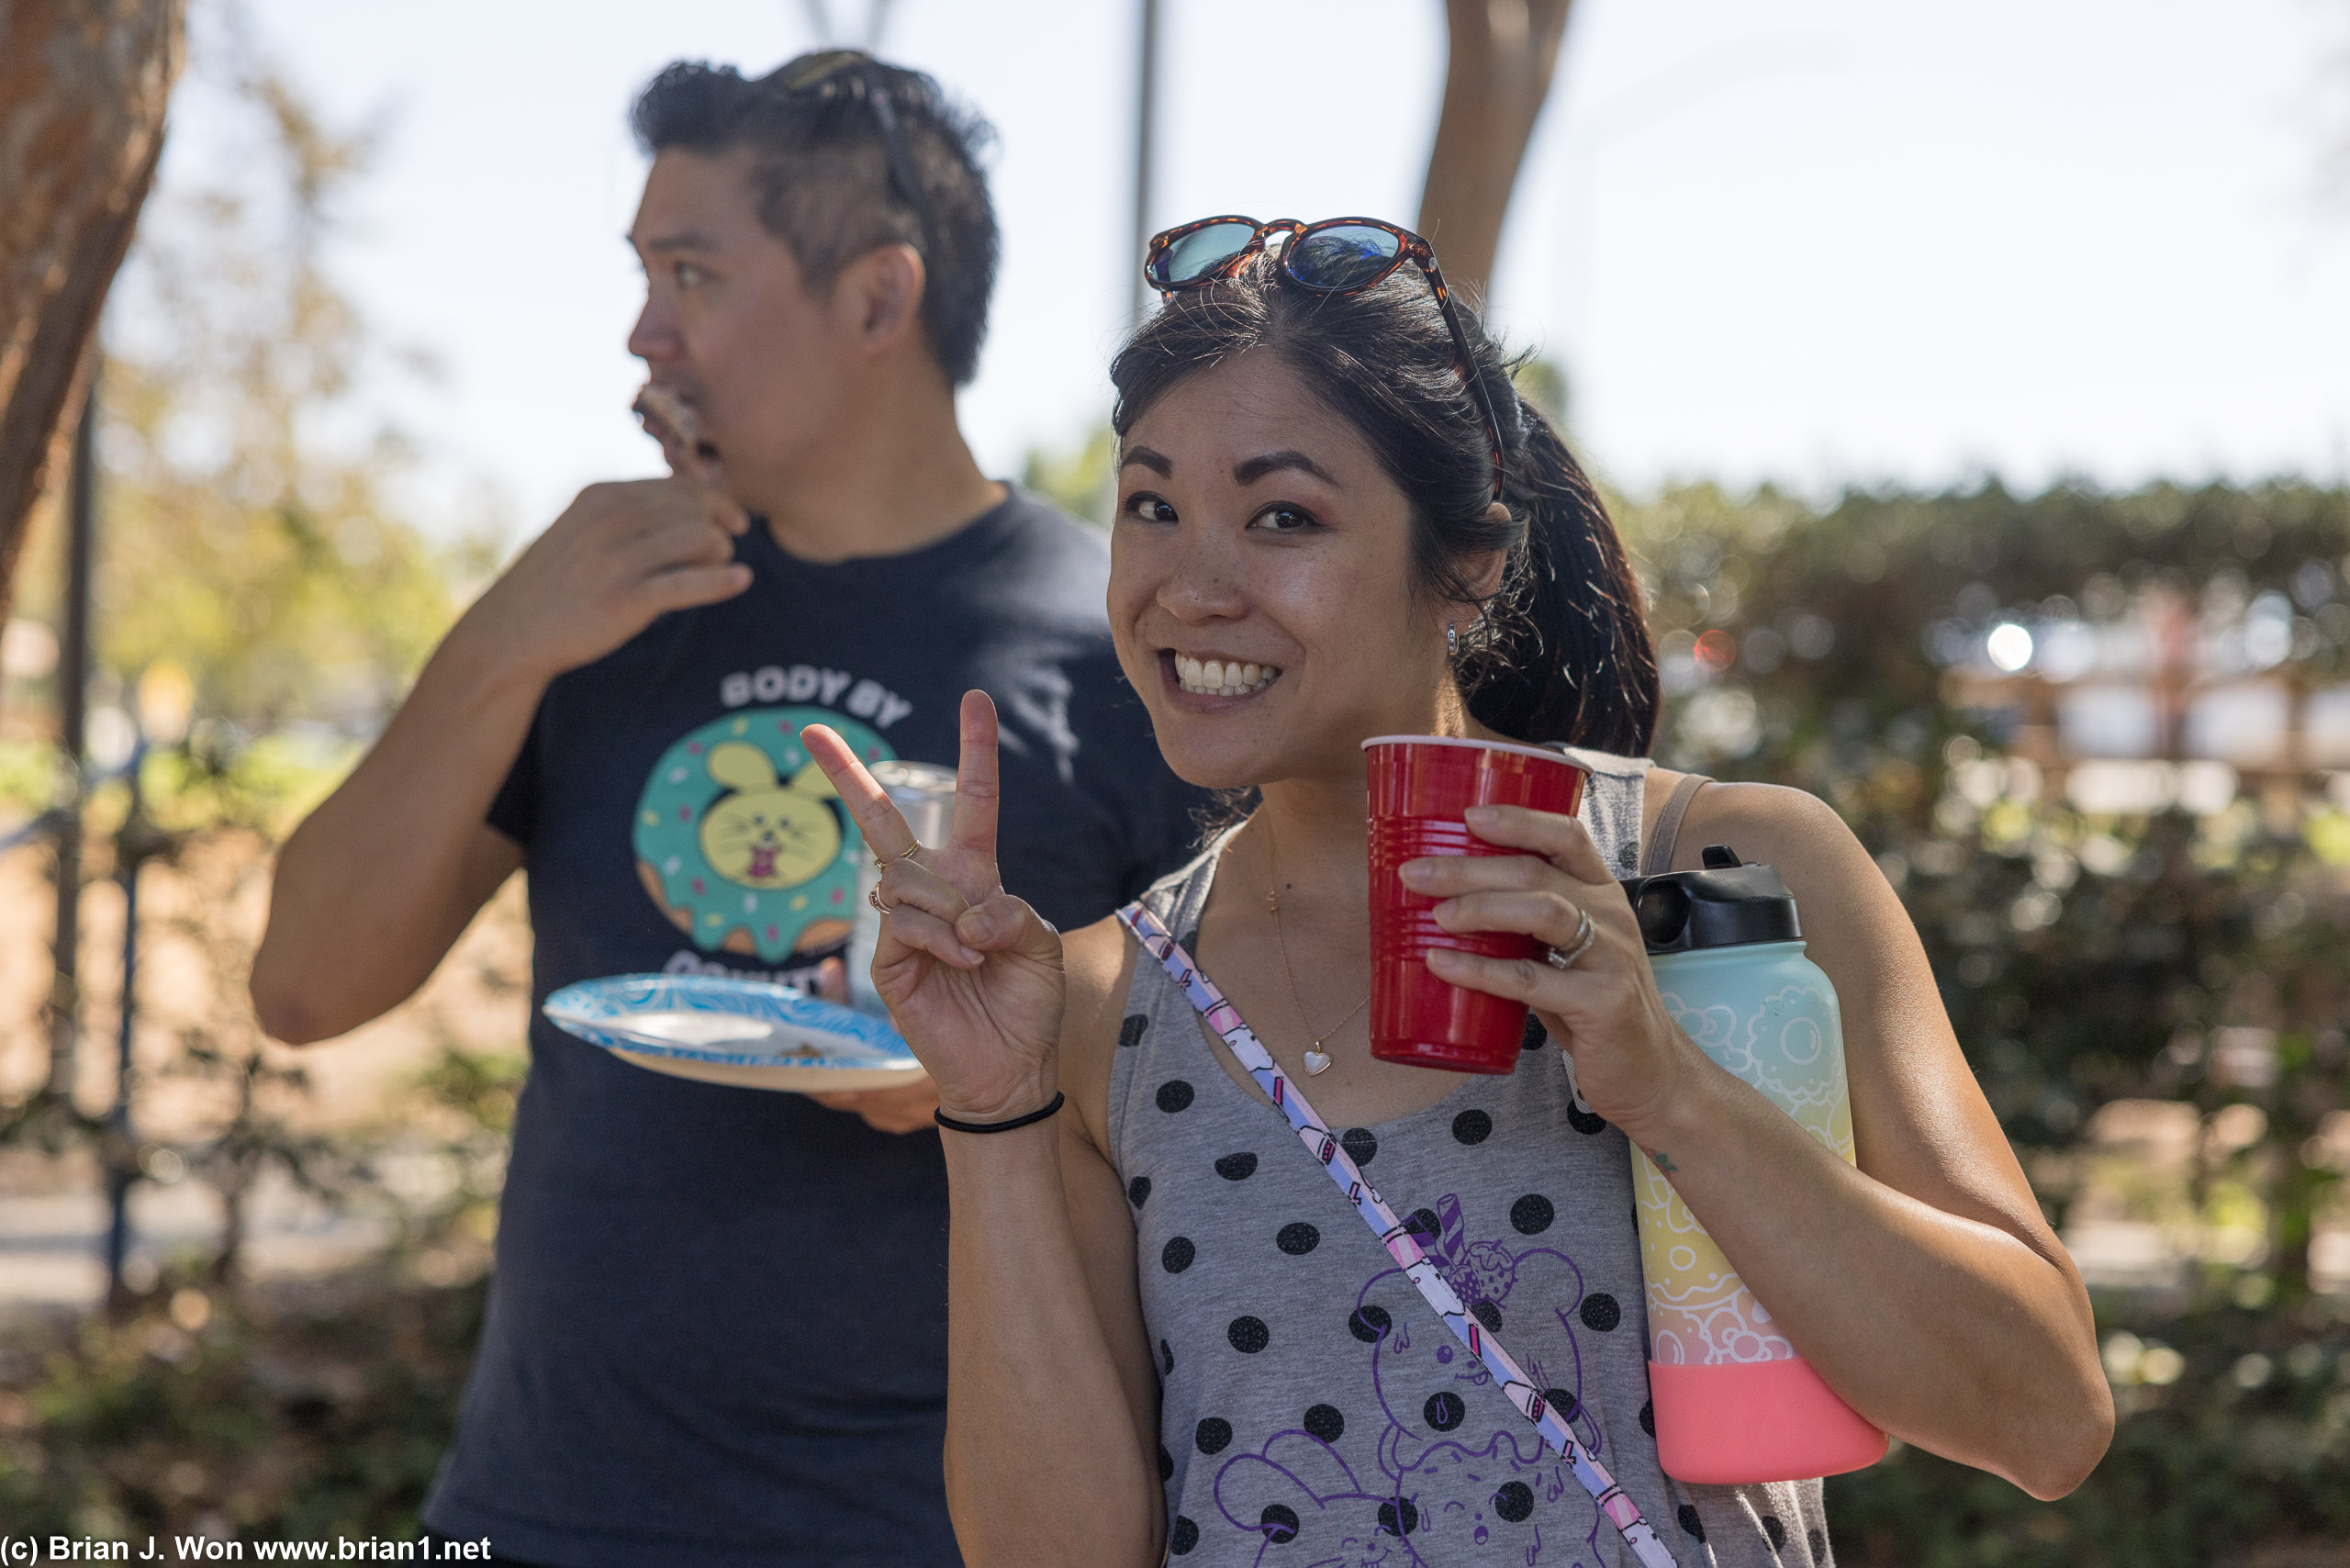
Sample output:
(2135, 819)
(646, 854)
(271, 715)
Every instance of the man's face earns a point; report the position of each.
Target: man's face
(728, 323)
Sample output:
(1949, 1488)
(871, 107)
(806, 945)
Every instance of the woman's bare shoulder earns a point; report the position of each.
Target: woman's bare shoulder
(1099, 964)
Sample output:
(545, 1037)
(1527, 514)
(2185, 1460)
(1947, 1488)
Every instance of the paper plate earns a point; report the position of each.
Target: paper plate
(745, 1033)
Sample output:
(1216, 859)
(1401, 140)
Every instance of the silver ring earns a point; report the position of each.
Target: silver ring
(1585, 935)
(873, 897)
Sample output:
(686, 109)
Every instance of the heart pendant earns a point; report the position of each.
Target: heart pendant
(1316, 1061)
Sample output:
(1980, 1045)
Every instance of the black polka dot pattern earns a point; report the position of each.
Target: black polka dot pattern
(1399, 1517)
(1175, 1095)
(1130, 1033)
(1532, 1214)
(1237, 1167)
(1326, 1422)
(1424, 1226)
(1166, 1464)
(1279, 1521)
(1584, 1122)
(1298, 1239)
(1690, 1523)
(1775, 1530)
(1816, 1544)
(1536, 1036)
(1166, 1359)
(1444, 1411)
(1361, 1143)
(1486, 1312)
(1177, 1255)
(1138, 1190)
(1514, 1502)
(1564, 1403)
(1248, 1335)
(1648, 1417)
(1471, 1127)
(1370, 1324)
(1600, 1313)
(1212, 1435)
(1183, 1537)
(1190, 940)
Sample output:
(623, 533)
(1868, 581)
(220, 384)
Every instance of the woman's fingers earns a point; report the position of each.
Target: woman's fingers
(977, 783)
(1546, 916)
(910, 925)
(1561, 840)
(1006, 924)
(877, 816)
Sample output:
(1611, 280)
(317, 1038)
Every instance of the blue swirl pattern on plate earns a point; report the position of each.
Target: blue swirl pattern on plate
(613, 1012)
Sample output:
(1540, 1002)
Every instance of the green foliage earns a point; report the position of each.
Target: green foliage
(248, 532)
(2251, 1443)
(1077, 479)
(200, 1412)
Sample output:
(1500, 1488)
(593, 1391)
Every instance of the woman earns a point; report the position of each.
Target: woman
(1169, 1333)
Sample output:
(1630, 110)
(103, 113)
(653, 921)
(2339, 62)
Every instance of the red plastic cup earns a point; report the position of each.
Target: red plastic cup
(1420, 786)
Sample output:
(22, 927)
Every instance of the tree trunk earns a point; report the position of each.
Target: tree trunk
(82, 85)
(1502, 53)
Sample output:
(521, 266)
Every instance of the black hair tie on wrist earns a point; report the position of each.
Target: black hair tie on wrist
(943, 1120)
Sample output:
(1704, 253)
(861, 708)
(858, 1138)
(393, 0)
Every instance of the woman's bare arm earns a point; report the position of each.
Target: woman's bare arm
(1052, 1403)
(1925, 1286)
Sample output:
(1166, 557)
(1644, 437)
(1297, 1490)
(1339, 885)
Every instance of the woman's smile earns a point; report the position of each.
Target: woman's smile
(1215, 677)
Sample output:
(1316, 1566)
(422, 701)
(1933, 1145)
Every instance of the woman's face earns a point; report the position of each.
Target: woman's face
(1260, 584)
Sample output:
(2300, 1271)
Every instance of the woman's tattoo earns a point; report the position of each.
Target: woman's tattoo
(1664, 1161)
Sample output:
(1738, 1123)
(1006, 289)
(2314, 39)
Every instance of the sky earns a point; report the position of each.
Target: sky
(1809, 242)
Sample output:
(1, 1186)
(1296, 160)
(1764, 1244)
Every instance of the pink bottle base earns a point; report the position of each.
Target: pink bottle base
(1744, 1422)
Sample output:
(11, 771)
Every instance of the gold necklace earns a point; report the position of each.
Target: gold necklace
(1317, 1059)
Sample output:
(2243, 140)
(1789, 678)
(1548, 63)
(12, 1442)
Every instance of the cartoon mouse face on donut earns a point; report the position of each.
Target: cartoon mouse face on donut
(742, 842)
(765, 834)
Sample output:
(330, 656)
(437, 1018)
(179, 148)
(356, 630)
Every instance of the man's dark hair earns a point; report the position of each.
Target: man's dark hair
(824, 186)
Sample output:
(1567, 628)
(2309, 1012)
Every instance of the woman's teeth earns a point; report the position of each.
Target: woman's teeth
(1217, 678)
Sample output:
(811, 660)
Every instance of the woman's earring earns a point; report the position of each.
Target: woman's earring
(1451, 641)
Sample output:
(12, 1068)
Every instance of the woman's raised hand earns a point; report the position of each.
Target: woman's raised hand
(971, 975)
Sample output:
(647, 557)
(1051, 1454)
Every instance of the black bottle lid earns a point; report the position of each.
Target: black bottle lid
(1728, 904)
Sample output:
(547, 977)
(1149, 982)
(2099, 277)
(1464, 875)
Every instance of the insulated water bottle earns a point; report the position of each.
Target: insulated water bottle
(1733, 1402)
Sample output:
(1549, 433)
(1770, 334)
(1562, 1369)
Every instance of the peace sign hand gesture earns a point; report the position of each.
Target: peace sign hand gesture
(971, 976)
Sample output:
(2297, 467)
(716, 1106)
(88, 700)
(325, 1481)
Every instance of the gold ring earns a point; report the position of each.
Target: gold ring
(873, 897)
(881, 864)
(1585, 935)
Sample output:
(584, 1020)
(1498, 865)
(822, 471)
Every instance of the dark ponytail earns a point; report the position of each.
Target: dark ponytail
(1562, 651)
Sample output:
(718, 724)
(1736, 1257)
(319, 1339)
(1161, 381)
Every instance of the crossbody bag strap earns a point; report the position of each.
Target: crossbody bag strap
(1401, 1244)
(1659, 859)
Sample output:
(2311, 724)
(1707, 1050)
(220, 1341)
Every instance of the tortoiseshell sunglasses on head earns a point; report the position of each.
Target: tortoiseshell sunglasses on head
(1338, 255)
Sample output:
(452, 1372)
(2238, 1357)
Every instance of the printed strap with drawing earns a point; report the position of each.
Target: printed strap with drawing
(1401, 1244)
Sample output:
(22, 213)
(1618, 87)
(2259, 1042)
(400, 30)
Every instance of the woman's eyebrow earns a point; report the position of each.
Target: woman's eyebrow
(1157, 462)
(1250, 470)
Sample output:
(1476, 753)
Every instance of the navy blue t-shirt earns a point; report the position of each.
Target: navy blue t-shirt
(717, 1335)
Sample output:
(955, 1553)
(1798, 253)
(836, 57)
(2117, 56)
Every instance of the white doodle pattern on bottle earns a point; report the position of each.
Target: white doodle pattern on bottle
(1699, 1311)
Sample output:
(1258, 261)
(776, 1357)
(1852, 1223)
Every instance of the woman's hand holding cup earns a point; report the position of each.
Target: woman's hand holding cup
(1632, 1060)
(971, 976)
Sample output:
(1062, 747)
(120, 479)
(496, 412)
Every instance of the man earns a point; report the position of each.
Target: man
(716, 1334)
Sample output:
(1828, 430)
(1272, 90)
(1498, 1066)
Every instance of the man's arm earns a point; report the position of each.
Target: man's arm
(374, 888)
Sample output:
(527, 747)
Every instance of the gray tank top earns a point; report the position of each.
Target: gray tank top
(1312, 1409)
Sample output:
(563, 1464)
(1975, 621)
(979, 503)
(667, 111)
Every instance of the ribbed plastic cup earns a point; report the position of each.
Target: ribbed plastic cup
(1420, 786)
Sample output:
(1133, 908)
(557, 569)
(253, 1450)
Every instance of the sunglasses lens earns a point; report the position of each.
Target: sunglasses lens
(1346, 255)
(1199, 252)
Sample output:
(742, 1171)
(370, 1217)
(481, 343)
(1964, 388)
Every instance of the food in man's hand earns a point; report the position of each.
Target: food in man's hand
(671, 420)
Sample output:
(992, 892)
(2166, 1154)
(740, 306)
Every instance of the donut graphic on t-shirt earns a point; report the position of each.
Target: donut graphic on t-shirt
(741, 842)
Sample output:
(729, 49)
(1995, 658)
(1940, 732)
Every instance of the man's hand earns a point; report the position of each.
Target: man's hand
(905, 1109)
(620, 554)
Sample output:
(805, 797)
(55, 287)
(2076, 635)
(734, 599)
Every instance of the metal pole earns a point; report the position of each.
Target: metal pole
(120, 1146)
(1145, 117)
(73, 705)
